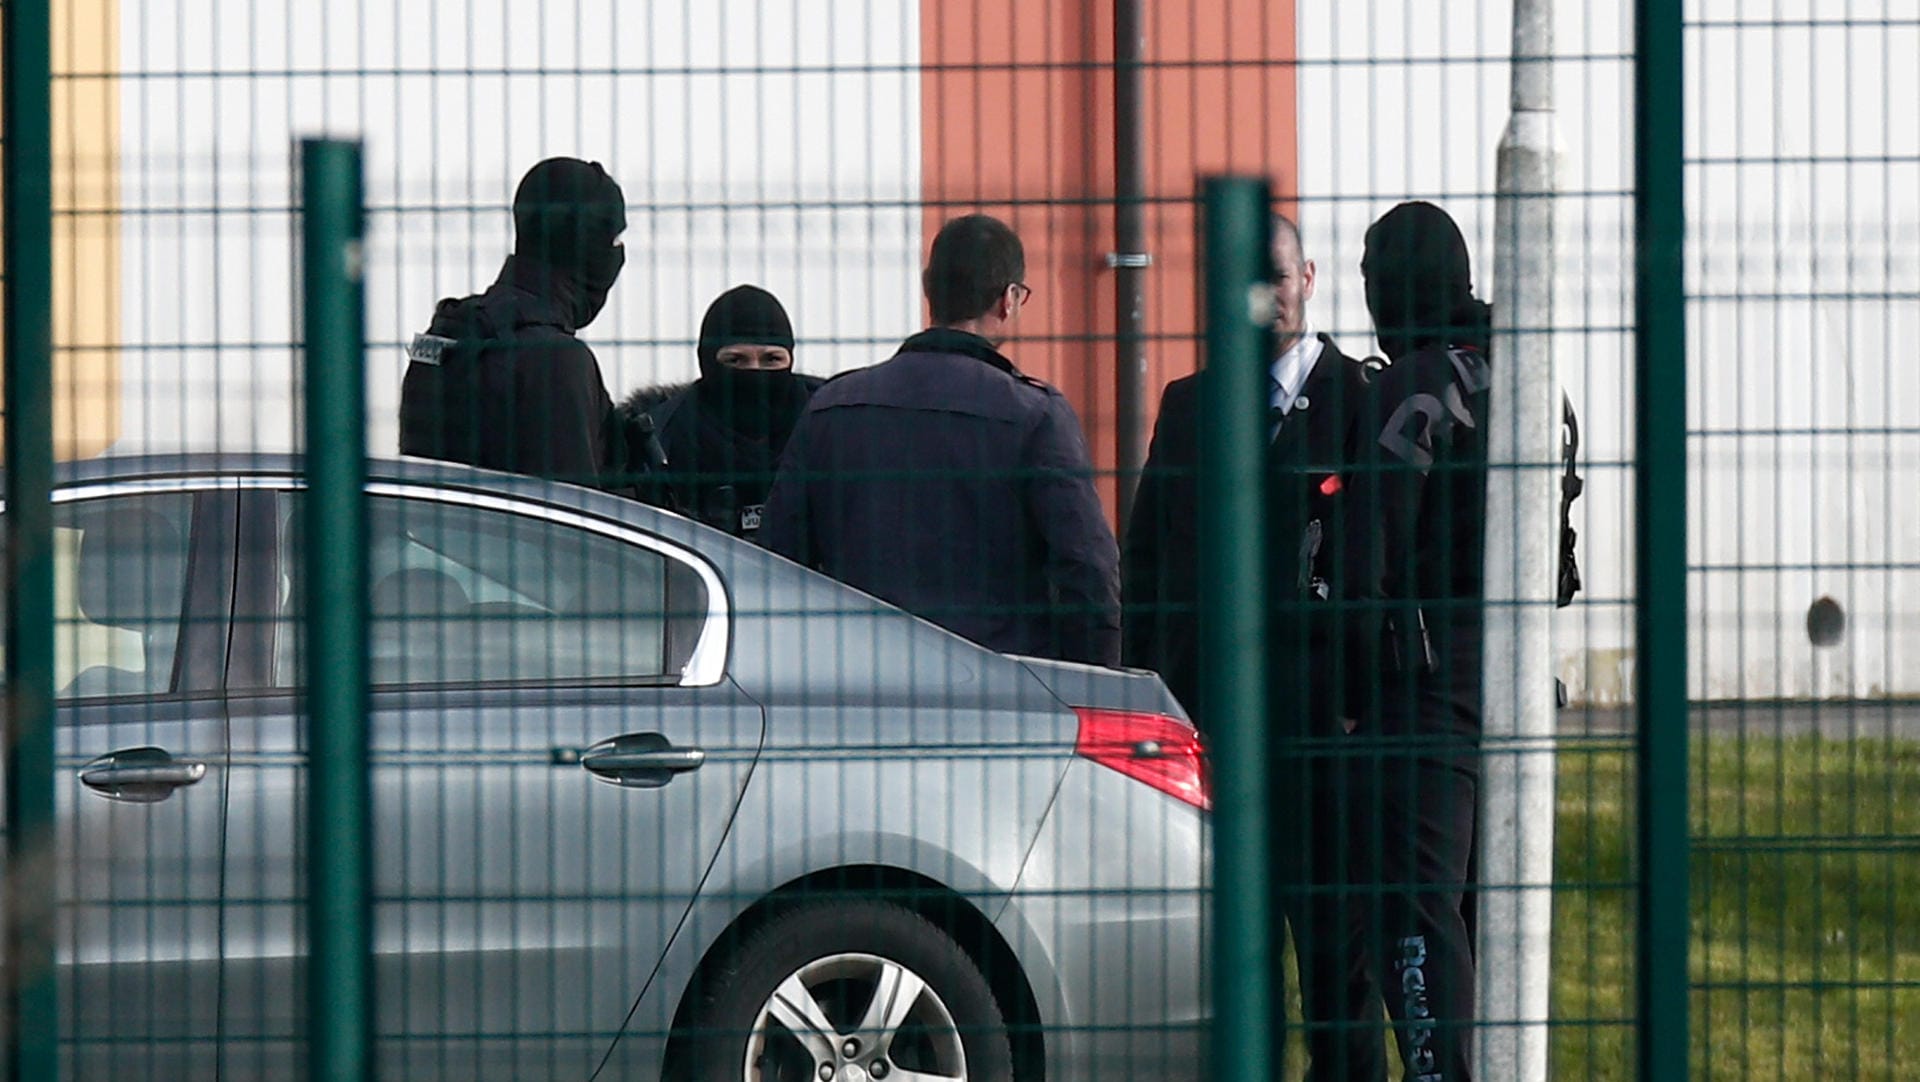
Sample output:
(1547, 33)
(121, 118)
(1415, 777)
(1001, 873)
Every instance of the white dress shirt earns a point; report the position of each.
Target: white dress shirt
(1289, 374)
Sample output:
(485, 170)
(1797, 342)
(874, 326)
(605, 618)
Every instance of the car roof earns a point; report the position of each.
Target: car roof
(215, 464)
(212, 465)
(230, 463)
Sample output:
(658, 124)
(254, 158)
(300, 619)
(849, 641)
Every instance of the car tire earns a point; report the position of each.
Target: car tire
(890, 985)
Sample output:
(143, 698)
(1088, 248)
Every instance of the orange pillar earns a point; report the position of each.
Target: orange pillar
(1017, 121)
(1221, 97)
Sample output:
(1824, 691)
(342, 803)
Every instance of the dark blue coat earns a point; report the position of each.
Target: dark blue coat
(948, 483)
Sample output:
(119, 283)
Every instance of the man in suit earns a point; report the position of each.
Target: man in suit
(1311, 389)
(1315, 396)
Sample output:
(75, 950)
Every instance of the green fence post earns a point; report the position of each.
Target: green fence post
(339, 880)
(1660, 483)
(32, 1008)
(1247, 981)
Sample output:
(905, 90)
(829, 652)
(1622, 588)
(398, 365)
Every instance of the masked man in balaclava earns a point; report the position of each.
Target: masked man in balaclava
(499, 380)
(1409, 580)
(724, 434)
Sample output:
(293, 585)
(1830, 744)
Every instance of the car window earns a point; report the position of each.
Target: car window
(462, 595)
(119, 590)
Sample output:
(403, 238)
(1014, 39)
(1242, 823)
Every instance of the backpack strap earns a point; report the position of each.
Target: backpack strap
(662, 411)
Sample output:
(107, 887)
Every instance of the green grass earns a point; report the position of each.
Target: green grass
(1806, 912)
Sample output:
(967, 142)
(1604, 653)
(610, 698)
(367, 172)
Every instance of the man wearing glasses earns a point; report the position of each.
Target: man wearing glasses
(946, 481)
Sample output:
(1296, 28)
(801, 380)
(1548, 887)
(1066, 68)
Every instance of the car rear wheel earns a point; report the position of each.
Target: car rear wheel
(849, 992)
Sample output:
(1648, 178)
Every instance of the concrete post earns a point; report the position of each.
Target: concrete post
(1515, 920)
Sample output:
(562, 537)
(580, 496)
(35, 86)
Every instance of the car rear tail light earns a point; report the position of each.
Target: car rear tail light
(1164, 752)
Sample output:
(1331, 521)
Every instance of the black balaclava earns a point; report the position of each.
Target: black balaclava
(750, 401)
(1420, 283)
(567, 219)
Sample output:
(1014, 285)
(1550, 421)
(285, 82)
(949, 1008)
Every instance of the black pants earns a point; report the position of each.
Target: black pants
(1378, 915)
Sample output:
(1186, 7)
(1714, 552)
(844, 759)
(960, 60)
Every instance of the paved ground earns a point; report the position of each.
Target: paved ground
(1899, 719)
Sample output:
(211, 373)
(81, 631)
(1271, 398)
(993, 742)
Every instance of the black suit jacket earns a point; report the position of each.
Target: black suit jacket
(1160, 565)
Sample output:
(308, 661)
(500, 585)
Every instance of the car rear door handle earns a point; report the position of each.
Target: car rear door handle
(641, 760)
(140, 775)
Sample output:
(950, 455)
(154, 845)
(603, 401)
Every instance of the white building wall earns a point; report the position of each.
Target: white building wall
(1804, 279)
(770, 143)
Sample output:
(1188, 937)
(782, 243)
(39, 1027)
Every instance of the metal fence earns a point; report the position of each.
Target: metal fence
(326, 760)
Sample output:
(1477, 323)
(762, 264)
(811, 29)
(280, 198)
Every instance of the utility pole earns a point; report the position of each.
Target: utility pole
(1514, 895)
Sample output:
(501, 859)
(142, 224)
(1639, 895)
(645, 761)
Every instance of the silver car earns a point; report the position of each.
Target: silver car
(648, 802)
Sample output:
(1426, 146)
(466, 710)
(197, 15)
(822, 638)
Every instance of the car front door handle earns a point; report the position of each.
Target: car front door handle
(641, 760)
(140, 775)
(672, 760)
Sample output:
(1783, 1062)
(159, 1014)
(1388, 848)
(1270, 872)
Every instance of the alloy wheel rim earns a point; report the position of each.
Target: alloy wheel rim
(854, 1017)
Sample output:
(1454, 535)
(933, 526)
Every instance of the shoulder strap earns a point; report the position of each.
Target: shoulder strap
(498, 315)
(662, 411)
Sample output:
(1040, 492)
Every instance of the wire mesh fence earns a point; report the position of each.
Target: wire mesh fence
(881, 639)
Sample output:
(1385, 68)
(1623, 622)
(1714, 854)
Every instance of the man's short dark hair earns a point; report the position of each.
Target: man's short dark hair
(974, 259)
